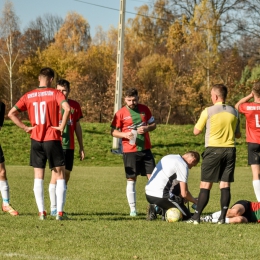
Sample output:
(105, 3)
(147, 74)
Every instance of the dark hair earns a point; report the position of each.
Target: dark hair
(47, 72)
(131, 92)
(195, 155)
(221, 90)
(256, 89)
(64, 83)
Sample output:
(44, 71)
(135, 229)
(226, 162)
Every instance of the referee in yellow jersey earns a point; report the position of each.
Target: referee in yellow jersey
(218, 165)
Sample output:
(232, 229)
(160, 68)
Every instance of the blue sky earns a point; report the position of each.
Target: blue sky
(28, 10)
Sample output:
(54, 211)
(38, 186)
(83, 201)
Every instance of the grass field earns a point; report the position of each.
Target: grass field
(98, 143)
(100, 226)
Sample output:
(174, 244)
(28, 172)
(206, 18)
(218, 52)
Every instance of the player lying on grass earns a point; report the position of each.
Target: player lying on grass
(242, 211)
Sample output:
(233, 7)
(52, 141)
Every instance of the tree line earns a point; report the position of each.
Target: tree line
(174, 51)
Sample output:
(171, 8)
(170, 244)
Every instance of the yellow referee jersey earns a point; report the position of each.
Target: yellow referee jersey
(222, 124)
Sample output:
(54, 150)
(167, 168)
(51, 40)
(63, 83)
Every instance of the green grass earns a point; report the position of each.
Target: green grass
(98, 143)
(100, 226)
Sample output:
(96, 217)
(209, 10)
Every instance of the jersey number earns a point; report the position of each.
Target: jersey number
(40, 109)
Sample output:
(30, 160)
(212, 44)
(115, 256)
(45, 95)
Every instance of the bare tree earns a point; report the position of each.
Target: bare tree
(9, 49)
(230, 14)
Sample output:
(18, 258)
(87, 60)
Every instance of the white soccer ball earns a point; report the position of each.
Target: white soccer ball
(173, 215)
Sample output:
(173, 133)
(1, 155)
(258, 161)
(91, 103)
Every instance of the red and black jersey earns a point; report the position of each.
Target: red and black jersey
(255, 211)
(127, 119)
(68, 133)
(252, 112)
(43, 105)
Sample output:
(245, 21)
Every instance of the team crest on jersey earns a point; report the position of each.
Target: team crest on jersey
(72, 111)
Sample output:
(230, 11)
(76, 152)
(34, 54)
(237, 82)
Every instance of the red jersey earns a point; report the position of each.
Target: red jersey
(255, 211)
(127, 119)
(252, 113)
(42, 105)
(68, 134)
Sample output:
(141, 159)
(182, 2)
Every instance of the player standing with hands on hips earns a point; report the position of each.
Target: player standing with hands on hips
(132, 123)
(218, 165)
(43, 105)
(252, 112)
(4, 187)
(68, 144)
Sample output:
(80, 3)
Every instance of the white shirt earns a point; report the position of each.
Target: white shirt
(169, 171)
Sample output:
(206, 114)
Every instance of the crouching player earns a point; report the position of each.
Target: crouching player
(168, 187)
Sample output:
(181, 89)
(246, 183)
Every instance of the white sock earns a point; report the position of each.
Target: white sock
(4, 188)
(39, 195)
(216, 214)
(60, 194)
(131, 194)
(215, 220)
(256, 185)
(52, 194)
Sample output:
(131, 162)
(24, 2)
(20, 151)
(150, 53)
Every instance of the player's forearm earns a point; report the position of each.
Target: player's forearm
(187, 196)
(65, 118)
(151, 127)
(17, 121)
(78, 132)
(243, 100)
(117, 134)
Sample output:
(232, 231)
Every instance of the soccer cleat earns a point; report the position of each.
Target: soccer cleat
(151, 212)
(9, 209)
(42, 215)
(61, 216)
(163, 215)
(65, 216)
(193, 221)
(221, 221)
(54, 213)
(133, 213)
(207, 218)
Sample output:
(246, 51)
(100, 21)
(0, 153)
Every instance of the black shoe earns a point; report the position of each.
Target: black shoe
(221, 221)
(151, 212)
(163, 215)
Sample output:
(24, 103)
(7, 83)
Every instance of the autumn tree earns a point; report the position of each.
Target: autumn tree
(74, 34)
(9, 46)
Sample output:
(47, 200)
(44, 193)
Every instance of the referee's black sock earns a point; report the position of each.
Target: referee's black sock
(203, 200)
(224, 202)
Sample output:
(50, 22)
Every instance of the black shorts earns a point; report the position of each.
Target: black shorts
(2, 158)
(218, 164)
(246, 205)
(138, 163)
(167, 203)
(253, 153)
(69, 159)
(43, 151)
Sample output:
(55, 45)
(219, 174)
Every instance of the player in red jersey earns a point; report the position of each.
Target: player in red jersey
(43, 105)
(4, 186)
(132, 123)
(243, 211)
(68, 144)
(251, 110)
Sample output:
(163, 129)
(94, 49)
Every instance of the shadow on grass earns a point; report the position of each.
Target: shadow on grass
(106, 216)
(177, 145)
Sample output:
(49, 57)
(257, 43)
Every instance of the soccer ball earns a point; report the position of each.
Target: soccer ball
(173, 215)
